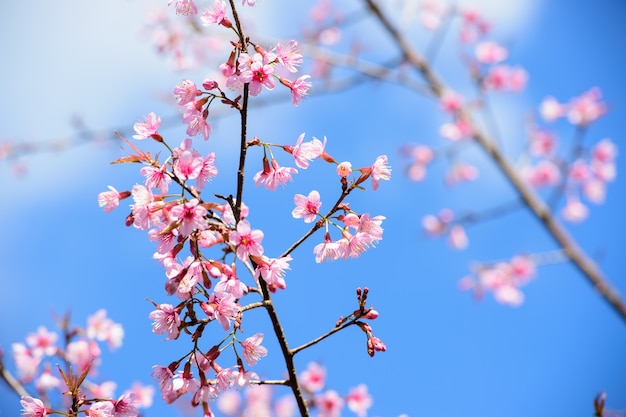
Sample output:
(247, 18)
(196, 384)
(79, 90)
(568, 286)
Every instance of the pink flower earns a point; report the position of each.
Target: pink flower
(163, 376)
(329, 404)
(542, 143)
(110, 200)
(344, 169)
(289, 56)
(328, 250)
(505, 78)
(190, 215)
(247, 241)
(359, 401)
(490, 53)
(250, 3)
(148, 128)
(184, 7)
(604, 151)
(461, 171)
(222, 307)
(125, 406)
(101, 409)
(587, 108)
(574, 211)
(307, 151)
(217, 15)
(550, 109)
(156, 177)
(273, 270)
(143, 394)
(188, 165)
(166, 319)
(102, 328)
(313, 378)
(273, 176)
(380, 171)
(307, 207)
(545, 173)
(457, 237)
(451, 102)
(32, 407)
(42, 342)
(255, 71)
(196, 122)
(252, 349)
(208, 170)
(229, 282)
(299, 88)
(456, 131)
(186, 92)
(27, 364)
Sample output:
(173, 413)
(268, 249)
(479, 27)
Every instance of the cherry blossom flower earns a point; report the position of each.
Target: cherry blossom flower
(184, 7)
(586, 108)
(102, 328)
(229, 282)
(186, 92)
(545, 173)
(272, 270)
(358, 400)
(143, 394)
(307, 151)
(289, 56)
(344, 169)
(329, 404)
(451, 102)
(42, 342)
(163, 376)
(257, 72)
(216, 15)
(101, 409)
(166, 319)
(457, 237)
(273, 176)
(542, 143)
(574, 211)
(461, 171)
(247, 241)
(550, 109)
(328, 250)
(125, 406)
(32, 407)
(148, 128)
(110, 200)
(505, 78)
(188, 165)
(47, 381)
(299, 88)
(190, 215)
(27, 364)
(222, 307)
(156, 177)
(252, 349)
(208, 170)
(456, 131)
(307, 207)
(380, 171)
(490, 53)
(196, 122)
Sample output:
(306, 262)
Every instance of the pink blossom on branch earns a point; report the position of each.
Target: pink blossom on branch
(148, 128)
(166, 319)
(252, 349)
(307, 207)
(33, 407)
(246, 241)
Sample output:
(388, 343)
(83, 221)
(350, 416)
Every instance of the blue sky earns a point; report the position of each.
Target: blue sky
(447, 354)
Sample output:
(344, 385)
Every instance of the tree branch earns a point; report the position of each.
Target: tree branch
(581, 260)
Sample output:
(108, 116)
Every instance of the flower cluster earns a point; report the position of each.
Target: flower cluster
(503, 279)
(36, 363)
